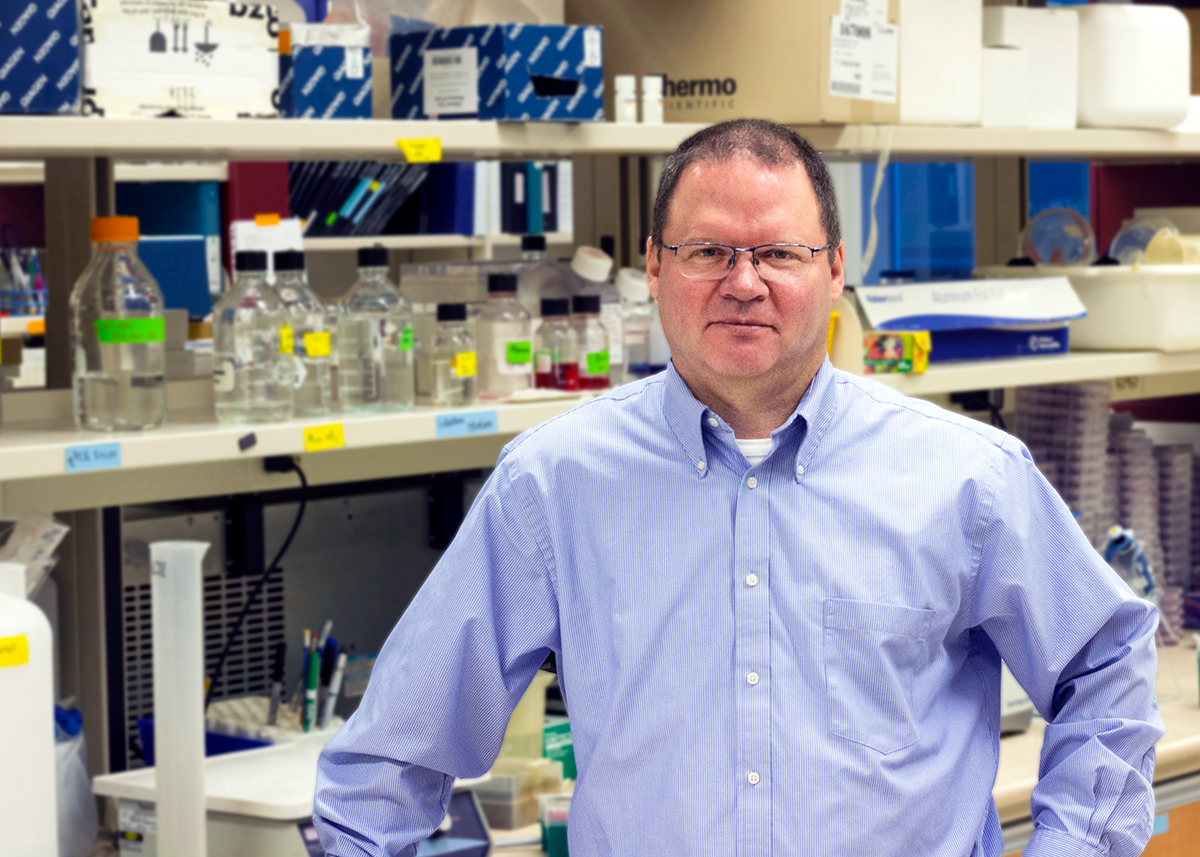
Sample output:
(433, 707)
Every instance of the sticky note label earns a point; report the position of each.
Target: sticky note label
(519, 351)
(1162, 821)
(316, 344)
(318, 438)
(93, 456)
(424, 151)
(266, 220)
(406, 338)
(473, 422)
(287, 340)
(14, 651)
(463, 364)
(597, 363)
(124, 331)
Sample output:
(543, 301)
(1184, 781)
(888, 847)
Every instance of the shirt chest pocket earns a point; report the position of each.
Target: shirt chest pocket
(872, 652)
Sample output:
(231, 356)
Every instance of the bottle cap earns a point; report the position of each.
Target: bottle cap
(250, 260)
(592, 264)
(552, 307)
(452, 312)
(585, 303)
(609, 245)
(502, 283)
(631, 285)
(115, 229)
(625, 83)
(533, 243)
(372, 257)
(289, 260)
(652, 84)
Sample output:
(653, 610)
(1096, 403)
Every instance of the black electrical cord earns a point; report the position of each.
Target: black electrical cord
(258, 588)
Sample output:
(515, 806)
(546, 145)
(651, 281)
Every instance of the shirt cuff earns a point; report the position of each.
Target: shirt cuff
(1047, 842)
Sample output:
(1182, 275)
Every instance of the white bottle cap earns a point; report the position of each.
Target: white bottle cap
(632, 285)
(652, 84)
(592, 263)
(625, 84)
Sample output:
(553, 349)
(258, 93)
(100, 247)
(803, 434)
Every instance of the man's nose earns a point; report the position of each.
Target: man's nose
(743, 282)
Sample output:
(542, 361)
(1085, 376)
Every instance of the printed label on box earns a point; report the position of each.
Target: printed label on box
(355, 67)
(93, 456)
(461, 425)
(863, 58)
(451, 82)
(593, 56)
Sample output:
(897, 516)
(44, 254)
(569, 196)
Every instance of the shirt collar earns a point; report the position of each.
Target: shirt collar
(686, 414)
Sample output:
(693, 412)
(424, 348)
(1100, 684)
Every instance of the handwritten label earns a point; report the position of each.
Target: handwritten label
(122, 331)
(318, 438)
(473, 422)
(93, 456)
(287, 340)
(316, 344)
(406, 338)
(597, 363)
(14, 651)
(424, 151)
(519, 351)
(464, 364)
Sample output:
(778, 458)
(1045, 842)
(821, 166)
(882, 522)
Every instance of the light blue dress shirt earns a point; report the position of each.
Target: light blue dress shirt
(796, 658)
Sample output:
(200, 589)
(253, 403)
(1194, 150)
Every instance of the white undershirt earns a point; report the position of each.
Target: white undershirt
(755, 449)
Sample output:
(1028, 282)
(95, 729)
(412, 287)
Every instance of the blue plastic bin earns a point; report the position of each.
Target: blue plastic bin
(215, 744)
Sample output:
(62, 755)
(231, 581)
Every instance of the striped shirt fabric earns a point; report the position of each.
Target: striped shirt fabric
(800, 657)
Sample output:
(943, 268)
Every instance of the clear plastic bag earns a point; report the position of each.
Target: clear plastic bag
(78, 821)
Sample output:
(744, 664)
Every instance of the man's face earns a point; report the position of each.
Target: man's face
(740, 327)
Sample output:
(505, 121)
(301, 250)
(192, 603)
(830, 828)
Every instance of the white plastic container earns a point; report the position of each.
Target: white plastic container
(1051, 39)
(940, 62)
(1134, 66)
(1144, 308)
(1005, 87)
(626, 102)
(28, 790)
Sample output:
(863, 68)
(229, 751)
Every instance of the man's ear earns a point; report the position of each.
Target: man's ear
(653, 264)
(838, 271)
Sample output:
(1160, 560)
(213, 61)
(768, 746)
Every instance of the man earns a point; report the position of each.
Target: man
(778, 594)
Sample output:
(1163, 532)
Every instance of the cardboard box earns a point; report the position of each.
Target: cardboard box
(793, 62)
(39, 56)
(180, 57)
(1050, 39)
(520, 72)
(325, 71)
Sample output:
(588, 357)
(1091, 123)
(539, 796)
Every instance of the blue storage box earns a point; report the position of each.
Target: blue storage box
(519, 72)
(215, 744)
(39, 56)
(978, 319)
(325, 72)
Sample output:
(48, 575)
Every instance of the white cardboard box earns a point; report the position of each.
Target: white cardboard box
(940, 62)
(1051, 39)
(1005, 87)
(194, 58)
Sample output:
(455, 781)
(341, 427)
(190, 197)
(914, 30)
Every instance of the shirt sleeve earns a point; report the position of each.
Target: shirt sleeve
(447, 680)
(1082, 645)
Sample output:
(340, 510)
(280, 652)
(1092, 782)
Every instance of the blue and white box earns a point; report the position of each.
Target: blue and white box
(516, 72)
(978, 319)
(326, 74)
(39, 56)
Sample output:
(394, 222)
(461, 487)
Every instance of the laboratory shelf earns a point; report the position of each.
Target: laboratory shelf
(34, 172)
(38, 137)
(426, 242)
(1134, 373)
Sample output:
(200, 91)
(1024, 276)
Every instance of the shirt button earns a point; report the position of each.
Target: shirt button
(752, 580)
(753, 778)
(712, 421)
(700, 465)
(752, 482)
(752, 679)
(799, 469)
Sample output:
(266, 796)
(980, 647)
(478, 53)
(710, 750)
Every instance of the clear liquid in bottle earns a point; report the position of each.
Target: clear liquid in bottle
(375, 339)
(311, 340)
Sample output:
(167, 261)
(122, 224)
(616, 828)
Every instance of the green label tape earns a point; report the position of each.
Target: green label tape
(597, 363)
(406, 338)
(123, 331)
(520, 352)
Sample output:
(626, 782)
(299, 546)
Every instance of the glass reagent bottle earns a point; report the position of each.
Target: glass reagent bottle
(311, 342)
(455, 361)
(375, 340)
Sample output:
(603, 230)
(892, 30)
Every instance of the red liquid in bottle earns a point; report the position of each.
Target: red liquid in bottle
(545, 380)
(594, 382)
(568, 376)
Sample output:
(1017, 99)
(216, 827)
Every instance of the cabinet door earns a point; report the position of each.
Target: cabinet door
(1176, 833)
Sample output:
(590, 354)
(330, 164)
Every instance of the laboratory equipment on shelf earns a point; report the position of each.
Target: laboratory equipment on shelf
(1129, 245)
(118, 335)
(252, 348)
(376, 362)
(505, 337)
(591, 267)
(310, 336)
(556, 348)
(625, 104)
(652, 99)
(636, 317)
(454, 358)
(533, 248)
(1058, 236)
(594, 364)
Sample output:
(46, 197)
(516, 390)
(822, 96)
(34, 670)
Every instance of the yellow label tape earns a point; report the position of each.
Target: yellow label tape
(316, 344)
(424, 151)
(266, 220)
(463, 364)
(14, 651)
(318, 438)
(287, 341)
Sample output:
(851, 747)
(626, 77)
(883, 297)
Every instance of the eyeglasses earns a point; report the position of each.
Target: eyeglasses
(778, 262)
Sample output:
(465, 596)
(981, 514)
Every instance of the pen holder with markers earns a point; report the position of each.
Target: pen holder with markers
(247, 718)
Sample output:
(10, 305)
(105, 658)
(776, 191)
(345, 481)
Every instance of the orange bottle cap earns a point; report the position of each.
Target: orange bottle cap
(115, 229)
